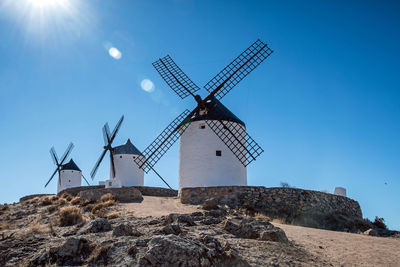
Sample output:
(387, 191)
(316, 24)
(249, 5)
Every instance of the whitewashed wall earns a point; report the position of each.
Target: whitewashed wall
(127, 172)
(69, 178)
(198, 164)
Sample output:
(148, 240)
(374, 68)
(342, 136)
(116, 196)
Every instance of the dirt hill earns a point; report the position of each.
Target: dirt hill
(160, 231)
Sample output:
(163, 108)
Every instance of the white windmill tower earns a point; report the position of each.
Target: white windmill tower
(123, 170)
(214, 146)
(69, 174)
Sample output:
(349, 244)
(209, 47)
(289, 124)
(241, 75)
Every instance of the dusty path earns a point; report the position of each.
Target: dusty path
(345, 248)
(156, 207)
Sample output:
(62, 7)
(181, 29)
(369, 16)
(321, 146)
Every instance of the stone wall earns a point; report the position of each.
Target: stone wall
(297, 206)
(145, 190)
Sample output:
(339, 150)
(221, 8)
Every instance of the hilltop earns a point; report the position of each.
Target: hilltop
(161, 231)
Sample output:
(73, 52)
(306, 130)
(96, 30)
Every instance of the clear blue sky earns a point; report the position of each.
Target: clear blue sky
(325, 106)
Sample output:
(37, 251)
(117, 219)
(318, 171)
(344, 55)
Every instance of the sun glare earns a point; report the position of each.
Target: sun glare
(47, 3)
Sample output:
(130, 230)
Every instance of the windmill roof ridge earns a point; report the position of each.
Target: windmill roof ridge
(71, 165)
(127, 148)
(217, 111)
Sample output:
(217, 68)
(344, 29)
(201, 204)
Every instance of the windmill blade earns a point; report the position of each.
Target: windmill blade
(239, 68)
(175, 77)
(106, 134)
(85, 180)
(237, 140)
(153, 153)
(94, 171)
(112, 163)
(54, 156)
(116, 129)
(51, 177)
(66, 153)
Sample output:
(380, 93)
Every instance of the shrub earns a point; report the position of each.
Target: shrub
(99, 255)
(70, 216)
(52, 209)
(76, 201)
(46, 201)
(113, 215)
(67, 196)
(379, 222)
(107, 197)
(62, 201)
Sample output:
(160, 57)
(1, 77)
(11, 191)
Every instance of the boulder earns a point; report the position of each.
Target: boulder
(173, 250)
(210, 204)
(371, 232)
(171, 229)
(125, 230)
(95, 226)
(179, 219)
(276, 235)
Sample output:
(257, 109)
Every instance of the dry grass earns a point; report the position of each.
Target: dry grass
(261, 216)
(52, 209)
(107, 197)
(277, 220)
(45, 201)
(76, 201)
(36, 228)
(62, 201)
(99, 255)
(113, 215)
(70, 216)
(4, 226)
(67, 197)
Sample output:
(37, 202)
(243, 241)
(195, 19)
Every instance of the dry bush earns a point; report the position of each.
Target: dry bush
(278, 220)
(113, 215)
(84, 202)
(67, 197)
(107, 197)
(35, 228)
(46, 201)
(76, 201)
(62, 201)
(99, 210)
(99, 255)
(4, 226)
(70, 216)
(54, 198)
(52, 209)
(109, 203)
(261, 216)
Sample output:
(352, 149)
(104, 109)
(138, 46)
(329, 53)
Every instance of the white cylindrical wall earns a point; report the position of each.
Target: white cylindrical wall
(68, 179)
(127, 173)
(340, 191)
(198, 164)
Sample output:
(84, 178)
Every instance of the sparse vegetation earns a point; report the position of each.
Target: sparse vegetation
(76, 201)
(45, 201)
(107, 197)
(62, 201)
(113, 215)
(70, 216)
(99, 255)
(67, 197)
(380, 223)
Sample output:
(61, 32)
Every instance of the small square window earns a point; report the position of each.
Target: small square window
(202, 126)
(218, 153)
(120, 157)
(134, 157)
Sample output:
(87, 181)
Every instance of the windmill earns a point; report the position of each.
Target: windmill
(214, 145)
(123, 171)
(69, 174)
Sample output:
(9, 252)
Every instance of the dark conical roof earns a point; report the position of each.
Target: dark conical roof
(70, 166)
(127, 148)
(216, 111)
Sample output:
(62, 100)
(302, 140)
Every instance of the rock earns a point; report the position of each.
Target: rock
(210, 220)
(95, 226)
(276, 235)
(179, 218)
(171, 229)
(216, 213)
(125, 230)
(210, 204)
(254, 229)
(371, 232)
(72, 252)
(172, 250)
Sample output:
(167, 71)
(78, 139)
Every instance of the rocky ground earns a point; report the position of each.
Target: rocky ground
(67, 230)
